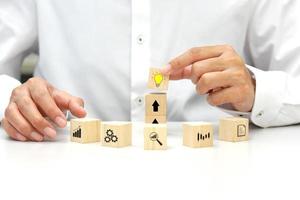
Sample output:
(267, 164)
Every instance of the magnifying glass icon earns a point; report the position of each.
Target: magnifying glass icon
(154, 137)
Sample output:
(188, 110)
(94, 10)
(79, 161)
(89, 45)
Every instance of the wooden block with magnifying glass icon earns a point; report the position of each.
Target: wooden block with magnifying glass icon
(157, 80)
(234, 129)
(155, 137)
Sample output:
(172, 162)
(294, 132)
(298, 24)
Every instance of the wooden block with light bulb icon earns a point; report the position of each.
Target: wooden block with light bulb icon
(197, 134)
(157, 80)
(85, 130)
(234, 129)
(155, 137)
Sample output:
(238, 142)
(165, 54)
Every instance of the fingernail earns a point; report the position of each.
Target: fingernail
(36, 136)
(81, 108)
(50, 132)
(61, 122)
(20, 137)
(166, 69)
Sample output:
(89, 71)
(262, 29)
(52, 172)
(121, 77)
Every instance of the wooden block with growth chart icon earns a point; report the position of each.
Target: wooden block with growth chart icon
(197, 134)
(85, 130)
(155, 137)
(157, 80)
(116, 134)
(234, 129)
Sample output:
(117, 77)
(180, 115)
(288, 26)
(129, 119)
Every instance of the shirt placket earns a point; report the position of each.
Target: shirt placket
(140, 55)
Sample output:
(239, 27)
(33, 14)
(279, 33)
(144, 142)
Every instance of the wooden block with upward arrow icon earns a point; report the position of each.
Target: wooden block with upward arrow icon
(156, 108)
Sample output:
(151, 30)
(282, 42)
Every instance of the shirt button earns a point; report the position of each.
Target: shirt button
(140, 39)
(260, 114)
(139, 101)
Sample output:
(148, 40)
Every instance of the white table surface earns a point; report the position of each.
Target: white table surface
(266, 167)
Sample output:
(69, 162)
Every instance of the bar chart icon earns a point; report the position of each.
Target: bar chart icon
(203, 136)
(77, 132)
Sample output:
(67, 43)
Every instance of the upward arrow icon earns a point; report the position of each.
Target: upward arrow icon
(155, 106)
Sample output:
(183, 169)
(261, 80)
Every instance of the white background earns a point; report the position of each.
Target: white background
(266, 167)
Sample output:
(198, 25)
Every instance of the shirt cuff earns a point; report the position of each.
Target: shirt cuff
(269, 96)
(7, 84)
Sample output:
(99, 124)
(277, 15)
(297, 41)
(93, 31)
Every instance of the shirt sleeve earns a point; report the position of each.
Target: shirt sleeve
(18, 38)
(273, 43)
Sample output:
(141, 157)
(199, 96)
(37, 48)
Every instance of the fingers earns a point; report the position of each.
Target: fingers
(201, 67)
(15, 118)
(12, 132)
(68, 102)
(195, 54)
(181, 74)
(28, 109)
(213, 81)
(224, 96)
(42, 98)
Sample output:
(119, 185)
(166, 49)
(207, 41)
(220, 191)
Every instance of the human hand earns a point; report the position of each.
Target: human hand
(217, 71)
(30, 104)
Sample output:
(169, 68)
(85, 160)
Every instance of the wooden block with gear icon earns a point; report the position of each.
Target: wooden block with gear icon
(197, 134)
(116, 134)
(157, 80)
(155, 137)
(85, 130)
(234, 129)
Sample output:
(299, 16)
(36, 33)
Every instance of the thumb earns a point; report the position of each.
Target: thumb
(68, 102)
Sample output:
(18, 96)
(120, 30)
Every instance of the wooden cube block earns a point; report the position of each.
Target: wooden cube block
(155, 137)
(234, 129)
(116, 134)
(85, 130)
(156, 104)
(197, 134)
(156, 119)
(157, 80)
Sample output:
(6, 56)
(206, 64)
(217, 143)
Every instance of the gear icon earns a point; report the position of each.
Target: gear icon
(109, 132)
(110, 136)
(114, 138)
(107, 139)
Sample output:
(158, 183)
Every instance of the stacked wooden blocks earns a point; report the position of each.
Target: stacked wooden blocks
(195, 134)
(155, 132)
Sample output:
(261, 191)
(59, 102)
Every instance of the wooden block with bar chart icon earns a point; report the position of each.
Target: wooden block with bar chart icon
(85, 130)
(156, 104)
(157, 80)
(234, 129)
(197, 134)
(116, 134)
(155, 137)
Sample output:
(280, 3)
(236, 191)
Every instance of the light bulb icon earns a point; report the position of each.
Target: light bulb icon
(158, 79)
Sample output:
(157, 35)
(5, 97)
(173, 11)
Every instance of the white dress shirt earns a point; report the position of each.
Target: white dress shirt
(102, 51)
